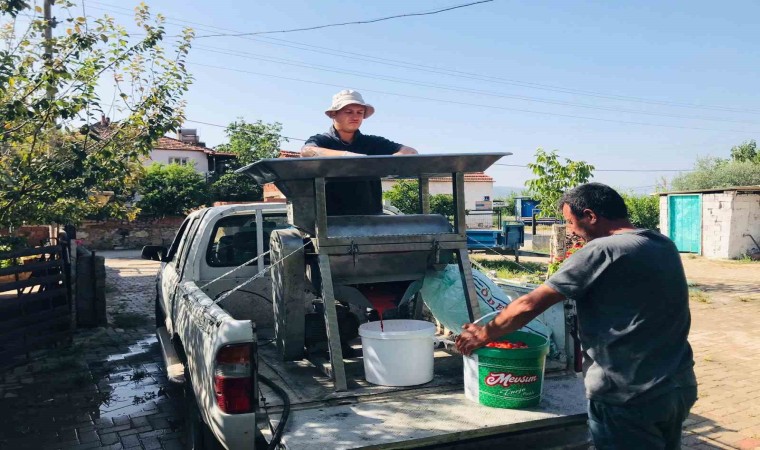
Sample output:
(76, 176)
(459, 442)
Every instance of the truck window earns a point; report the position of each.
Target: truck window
(233, 239)
(184, 246)
(171, 255)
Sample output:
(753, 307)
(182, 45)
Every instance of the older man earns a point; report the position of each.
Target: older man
(348, 197)
(633, 307)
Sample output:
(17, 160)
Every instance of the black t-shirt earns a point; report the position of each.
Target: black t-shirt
(354, 196)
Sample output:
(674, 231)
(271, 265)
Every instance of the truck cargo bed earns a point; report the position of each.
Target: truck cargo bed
(379, 417)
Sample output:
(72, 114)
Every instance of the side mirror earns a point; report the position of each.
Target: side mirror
(153, 252)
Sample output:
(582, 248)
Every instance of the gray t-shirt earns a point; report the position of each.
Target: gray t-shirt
(633, 310)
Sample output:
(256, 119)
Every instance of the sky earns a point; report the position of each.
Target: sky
(638, 89)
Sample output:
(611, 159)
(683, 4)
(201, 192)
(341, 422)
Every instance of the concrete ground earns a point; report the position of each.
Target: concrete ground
(107, 390)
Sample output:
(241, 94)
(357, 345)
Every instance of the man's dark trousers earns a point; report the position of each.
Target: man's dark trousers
(654, 424)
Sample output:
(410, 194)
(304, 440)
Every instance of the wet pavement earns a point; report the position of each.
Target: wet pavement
(107, 388)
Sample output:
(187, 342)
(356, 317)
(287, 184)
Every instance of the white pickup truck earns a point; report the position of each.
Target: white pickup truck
(219, 346)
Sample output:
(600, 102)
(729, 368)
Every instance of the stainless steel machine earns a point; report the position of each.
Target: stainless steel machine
(350, 262)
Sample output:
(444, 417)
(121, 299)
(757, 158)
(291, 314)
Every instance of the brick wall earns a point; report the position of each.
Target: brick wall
(117, 234)
(34, 234)
(717, 216)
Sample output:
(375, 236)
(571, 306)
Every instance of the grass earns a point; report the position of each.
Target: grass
(527, 272)
(700, 296)
(138, 375)
(129, 320)
(747, 259)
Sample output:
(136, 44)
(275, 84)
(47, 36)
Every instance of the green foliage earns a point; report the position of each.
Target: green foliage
(51, 166)
(442, 204)
(746, 152)
(233, 187)
(171, 190)
(710, 173)
(404, 196)
(253, 141)
(643, 210)
(554, 178)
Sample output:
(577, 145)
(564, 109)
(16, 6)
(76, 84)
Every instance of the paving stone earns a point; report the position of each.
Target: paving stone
(130, 441)
(110, 438)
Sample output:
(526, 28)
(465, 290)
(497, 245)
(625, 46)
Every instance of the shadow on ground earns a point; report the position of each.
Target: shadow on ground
(105, 388)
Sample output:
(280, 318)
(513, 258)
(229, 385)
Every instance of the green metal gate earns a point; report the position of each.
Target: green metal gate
(685, 222)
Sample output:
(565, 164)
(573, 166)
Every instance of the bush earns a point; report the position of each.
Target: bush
(711, 173)
(442, 204)
(403, 195)
(171, 190)
(235, 187)
(643, 210)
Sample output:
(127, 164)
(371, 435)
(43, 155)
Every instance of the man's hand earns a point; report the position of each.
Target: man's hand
(404, 150)
(472, 337)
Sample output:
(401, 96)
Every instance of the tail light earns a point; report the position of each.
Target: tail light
(232, 379)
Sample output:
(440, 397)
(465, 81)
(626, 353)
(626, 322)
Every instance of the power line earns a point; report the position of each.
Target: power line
(453, 102)
(253, 56)
(609, 170)
(497, 164)
(226, 126)
(358, 22)
(445, 71)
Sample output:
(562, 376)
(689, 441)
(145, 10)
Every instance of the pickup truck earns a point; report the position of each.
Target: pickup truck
(217, 345)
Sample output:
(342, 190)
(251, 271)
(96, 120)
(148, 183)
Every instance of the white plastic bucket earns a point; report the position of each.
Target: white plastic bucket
(401, 355)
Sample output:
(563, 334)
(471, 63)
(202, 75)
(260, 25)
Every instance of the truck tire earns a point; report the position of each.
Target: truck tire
(197, 434)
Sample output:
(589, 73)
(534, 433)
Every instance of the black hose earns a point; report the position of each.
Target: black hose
(277, 434)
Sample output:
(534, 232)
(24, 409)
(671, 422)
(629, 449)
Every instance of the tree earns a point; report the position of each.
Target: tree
(404, 195)
(711, 173)
(443, 204)
(643, 210)
(52, 166)
(554, 178)
(171, 190)
(746, 152)
(235, 187)
(253, 141)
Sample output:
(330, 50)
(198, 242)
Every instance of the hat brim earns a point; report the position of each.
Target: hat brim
(368, 109)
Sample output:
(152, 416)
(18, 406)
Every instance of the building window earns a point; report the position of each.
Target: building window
(181, 160)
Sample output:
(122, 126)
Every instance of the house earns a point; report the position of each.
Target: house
(478, 196)
(716, 223)
(186, 149)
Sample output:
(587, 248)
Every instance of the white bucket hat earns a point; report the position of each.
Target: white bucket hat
(349, 97)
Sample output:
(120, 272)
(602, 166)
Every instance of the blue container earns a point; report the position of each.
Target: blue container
(524, 206)
(513, 234)
(483, 239)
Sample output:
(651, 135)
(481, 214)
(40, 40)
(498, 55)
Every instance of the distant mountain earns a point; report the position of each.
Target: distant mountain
(505, 191)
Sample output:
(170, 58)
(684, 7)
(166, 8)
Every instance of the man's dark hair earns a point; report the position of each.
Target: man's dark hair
(598, 197)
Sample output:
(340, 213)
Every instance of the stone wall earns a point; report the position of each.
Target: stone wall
(34, 234)
(116, 234)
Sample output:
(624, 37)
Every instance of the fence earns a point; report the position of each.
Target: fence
(35, 301)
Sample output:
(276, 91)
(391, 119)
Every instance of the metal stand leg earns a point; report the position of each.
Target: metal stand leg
(471, 297)
(331, 323)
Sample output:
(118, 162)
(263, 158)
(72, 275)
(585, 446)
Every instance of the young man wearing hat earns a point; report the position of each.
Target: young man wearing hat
(348, 111)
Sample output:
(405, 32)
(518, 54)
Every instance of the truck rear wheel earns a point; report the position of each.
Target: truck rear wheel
(197, 434)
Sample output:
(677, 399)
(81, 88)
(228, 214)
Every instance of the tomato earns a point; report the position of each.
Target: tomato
(506, 345)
